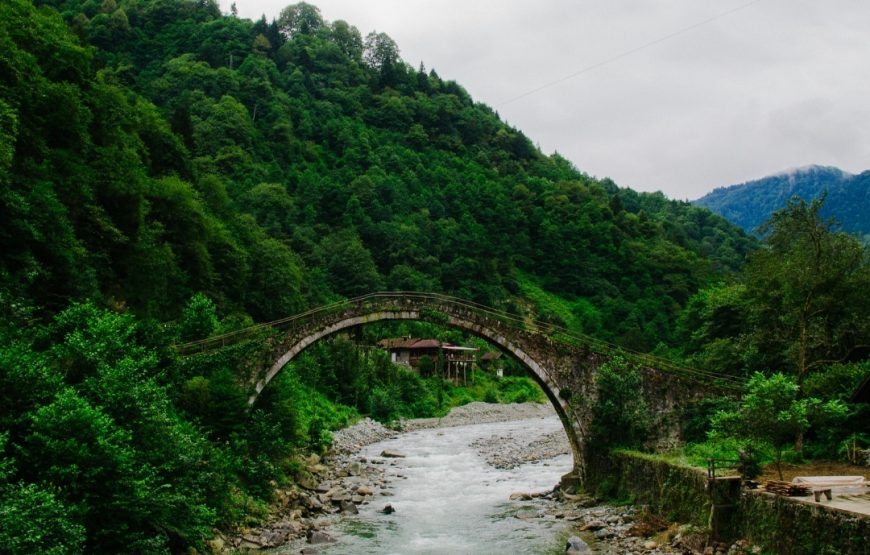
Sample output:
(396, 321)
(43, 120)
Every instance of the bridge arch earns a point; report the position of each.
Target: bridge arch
(562, 363)
(536, 370)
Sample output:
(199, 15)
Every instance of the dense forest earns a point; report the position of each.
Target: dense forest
(750, 204)
(156, 149)
(168, 172)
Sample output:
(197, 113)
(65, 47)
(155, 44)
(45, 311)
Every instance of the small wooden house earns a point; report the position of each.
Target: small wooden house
(455, 361)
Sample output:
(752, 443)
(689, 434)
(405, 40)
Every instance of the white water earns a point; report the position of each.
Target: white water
(449, 500)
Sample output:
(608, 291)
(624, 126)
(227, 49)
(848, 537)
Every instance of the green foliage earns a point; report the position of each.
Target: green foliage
(365, 379)
(578, 316)
(620, 415)
(513, 389)
(724, 448)
(97, 443)
(798, 306)
(32, 519)
(696, 418)
(806, 290)
(269, 166)
(198, 320)
(838, 381)
(771, 413)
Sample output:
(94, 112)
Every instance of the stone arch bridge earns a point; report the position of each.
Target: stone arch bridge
(563, 364)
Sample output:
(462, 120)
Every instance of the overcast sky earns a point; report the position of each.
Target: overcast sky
(678, 105)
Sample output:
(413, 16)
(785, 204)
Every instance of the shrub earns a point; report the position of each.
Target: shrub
(620, 414)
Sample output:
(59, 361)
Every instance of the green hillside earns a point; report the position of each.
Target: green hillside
(156, 149)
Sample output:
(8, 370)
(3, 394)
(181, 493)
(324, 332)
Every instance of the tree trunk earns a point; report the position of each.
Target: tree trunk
(802, 371)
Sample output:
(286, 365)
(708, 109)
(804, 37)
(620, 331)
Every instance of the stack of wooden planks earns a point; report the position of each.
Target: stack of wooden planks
(787, 488)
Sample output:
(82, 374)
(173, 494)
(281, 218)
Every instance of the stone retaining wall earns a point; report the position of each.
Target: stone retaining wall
(780, 525)
(679, 493)
(791, 527)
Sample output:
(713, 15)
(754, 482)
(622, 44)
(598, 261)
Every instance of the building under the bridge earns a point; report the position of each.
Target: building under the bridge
(454, 362)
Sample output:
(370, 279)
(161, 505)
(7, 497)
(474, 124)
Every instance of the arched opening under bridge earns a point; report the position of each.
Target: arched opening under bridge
(491, 332)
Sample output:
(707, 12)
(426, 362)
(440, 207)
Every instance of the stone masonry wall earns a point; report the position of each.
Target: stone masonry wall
(778, 524)
(790, 527)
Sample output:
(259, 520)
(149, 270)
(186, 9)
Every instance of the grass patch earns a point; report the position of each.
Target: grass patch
(577, 315)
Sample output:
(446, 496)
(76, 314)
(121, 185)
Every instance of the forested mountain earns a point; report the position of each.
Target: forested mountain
(750, 204)
(154, 148)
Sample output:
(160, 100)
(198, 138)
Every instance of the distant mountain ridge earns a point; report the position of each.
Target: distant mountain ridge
(749, 204)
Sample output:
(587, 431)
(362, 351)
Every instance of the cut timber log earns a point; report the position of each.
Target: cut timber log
(787, 488)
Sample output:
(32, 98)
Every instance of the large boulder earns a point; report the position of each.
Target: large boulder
(317, 537)
(576, 545)
(348, 508)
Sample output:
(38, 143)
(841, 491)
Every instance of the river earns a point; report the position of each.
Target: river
(447, 499)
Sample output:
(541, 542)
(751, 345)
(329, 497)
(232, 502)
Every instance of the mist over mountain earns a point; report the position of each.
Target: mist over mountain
(749, 204)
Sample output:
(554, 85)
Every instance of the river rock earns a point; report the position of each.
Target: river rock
(364, 490)
(348, 508)
(392, 454)
(274, 538)
(216, 545)
(520, 495)
(603, 534)
(576, 545)
(337, 493)
(388, 510)
(311, 503)
(306, 480)
(319, 469)
(317, 537)
(593, 525)
(650, 545)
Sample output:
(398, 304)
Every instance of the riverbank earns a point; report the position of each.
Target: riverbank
(339, 485)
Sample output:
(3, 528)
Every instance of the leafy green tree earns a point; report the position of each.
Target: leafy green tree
(79, 449)
(772, 413)
(275, 281)
(301, 18)
(381, 54)
(806, 291)
(273, 209)
(198, 320)
(351, 268)
(620, 414)
(348, 38)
